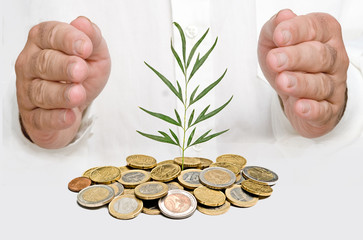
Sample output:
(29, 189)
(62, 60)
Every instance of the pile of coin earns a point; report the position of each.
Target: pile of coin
(144, 185)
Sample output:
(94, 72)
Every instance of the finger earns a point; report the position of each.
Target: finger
(51, 95)
(50, 120)
(317, 86)
(310, 57)
(312, 27)
(54, 65)
(318, 113)
(61, 36)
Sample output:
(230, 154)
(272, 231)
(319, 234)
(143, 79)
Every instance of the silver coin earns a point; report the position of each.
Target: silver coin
(191, 177)
(260, 174)
(178, 204)
(95, 196)
(125, 207)
(150, 189)
(118, 188)
(217, 177)
(131, 177)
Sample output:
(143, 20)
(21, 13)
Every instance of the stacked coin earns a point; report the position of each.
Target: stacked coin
(144, 185)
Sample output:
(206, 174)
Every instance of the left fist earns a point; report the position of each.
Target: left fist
(305, 61)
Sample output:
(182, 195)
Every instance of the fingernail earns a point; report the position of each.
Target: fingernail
(290, 81)
(286, 36)
(304, 107)
(78, 47)
(281, 59)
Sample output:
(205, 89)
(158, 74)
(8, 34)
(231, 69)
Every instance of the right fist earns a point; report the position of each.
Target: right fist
(61, 70)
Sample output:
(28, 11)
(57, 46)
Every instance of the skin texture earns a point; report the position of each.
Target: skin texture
(305, 61)
(63, 67)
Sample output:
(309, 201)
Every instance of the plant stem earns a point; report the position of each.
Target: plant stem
(185, 115)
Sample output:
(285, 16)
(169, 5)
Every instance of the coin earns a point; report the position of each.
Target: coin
(105, 175)
(95, 196)
(190, 178)
(217, 177)
(239, 179)
(230, 166)
(214, 210)
(125, 207)
(117, 187)
(260, 174)
(204, 162)
(165, 162)
(240, 198)
(141, 161)
(77, 184)
(88, 172)
(174, 185)
(151, 207)
(188, 161)
(132, 178)
(259, 189)
(178, 204)
(165, 172)
(151, 190)
(233, 158)
(209, 197)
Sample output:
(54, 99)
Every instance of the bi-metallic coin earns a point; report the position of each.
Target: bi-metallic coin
(95, 196)
(178, 204)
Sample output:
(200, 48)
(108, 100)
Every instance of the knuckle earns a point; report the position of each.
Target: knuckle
(35, 32)
(37, 93)
(42, 62)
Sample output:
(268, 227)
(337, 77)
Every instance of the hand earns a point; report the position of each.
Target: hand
(61, 70)
(304, 59)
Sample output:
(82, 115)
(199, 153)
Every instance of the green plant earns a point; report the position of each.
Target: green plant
(187, 101)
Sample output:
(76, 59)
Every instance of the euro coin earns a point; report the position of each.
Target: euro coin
(204, 162)
(88, 172)
(240, 198)
(174, 185)
(141, 161)
(214, 210)
(190, 178)
(233, 158)
(178, 204)
(77, 184)
(260, 174)
(230, 166)
(118, 188)
(125, 207)
(105, 175)
(217, 177)
(256, 188)
(151, 190)
(95, 196)
(165, 172)
(209, 197)
(188, 161)
(132, 178)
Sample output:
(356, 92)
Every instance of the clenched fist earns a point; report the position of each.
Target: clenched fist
(61, 70)
(305, 61)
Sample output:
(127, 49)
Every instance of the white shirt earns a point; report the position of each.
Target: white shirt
(141, 32)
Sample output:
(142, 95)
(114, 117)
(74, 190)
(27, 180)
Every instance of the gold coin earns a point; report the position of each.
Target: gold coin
(105, 175)
(239, 197)
(190, 178)
(125, 207)
(204, 163)
(151, 190)
(132, 178)
(88, 172)
(95, 196)
(141, 161)
(174, 185)
(188, 161)
(233, 167)
(165, 162)
(209, 197)
(233, 158)
(214, 210)
(165, 172)
(259, 189)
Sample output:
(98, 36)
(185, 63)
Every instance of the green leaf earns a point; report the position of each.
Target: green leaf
(158, 138)
(191, 54)
(182, 35)
(175, 137)
(205, 138)
(191, 118)
(180, 91)
(191, 137)
(162, 117)
(202, 116)
(167, 137)
(167, 82)
(191, 100)
(177, 57)
(199, 62)
(207, 89)
(178, 117)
